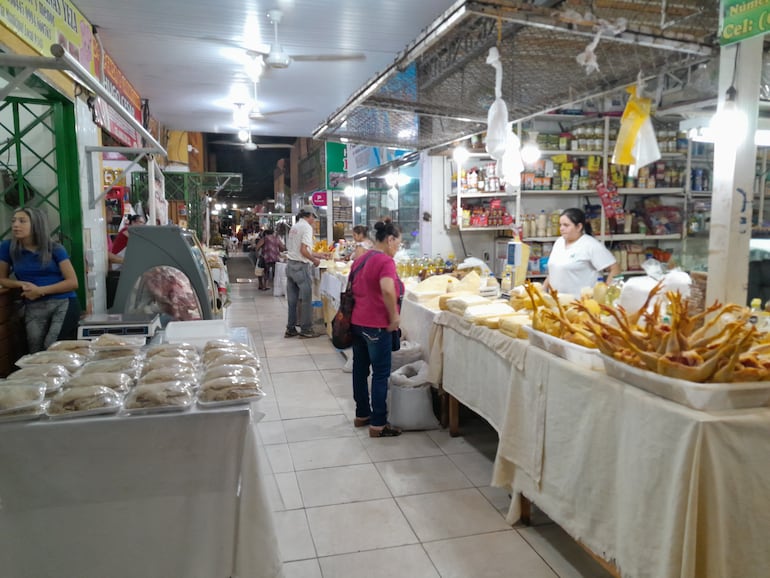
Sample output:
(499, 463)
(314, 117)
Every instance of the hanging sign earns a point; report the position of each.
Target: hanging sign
(318, 199)
(742, 19)
(119, 87)
(41, 24)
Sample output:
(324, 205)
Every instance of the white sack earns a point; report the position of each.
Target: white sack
(411, 401)
(410, 352)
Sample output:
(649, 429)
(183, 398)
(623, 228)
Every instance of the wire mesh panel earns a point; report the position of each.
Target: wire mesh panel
(446, 92)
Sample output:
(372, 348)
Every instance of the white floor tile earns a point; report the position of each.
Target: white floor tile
(291, 363)
(451, 514)
(302, 569)
(328, 360)
(313, 428)
(498, 555)
(294, 539)
(289, 490)
(272, 432)
(407, 445)
(422, 475)
(341, 485)
(498, 497)
(280, 458)
(348, 528)
(330, 453)
(476, 466)
(406, 561)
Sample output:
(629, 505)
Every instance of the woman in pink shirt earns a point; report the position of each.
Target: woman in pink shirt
(377, 291)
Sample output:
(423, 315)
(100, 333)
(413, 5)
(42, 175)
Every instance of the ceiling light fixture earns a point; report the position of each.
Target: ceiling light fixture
(243, 135)
(461, 155)
(530, 152)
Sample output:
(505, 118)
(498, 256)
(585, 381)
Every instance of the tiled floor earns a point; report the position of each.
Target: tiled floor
(346, 505)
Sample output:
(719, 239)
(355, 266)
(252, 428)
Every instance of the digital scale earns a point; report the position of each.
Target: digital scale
(133, 324)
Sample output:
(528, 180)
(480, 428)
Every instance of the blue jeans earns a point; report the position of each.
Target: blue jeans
(299, 290)
(46, 319)
(371, 347)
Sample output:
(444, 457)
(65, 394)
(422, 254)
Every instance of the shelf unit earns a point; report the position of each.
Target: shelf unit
(458, 195)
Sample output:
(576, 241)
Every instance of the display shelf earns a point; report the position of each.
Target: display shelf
(639, 237)
(654, 191)
(501, 228)
(541, 239)
(474, 194)
(553, 153)
(701, 194)
(558, 192)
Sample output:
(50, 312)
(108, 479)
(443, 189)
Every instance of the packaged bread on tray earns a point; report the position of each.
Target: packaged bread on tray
(159, 397)
(72, 361)
(168, 374)
(41, 370)
(82, 401)
(52, 384)
(161, 362)
(21, 401)
(112, 352)
(120, 382)
(230, 371)
(129, 365)
(229, 390)
(225, 344)
(230, 357)
(80, 346)
(107, 340)
(185, 350)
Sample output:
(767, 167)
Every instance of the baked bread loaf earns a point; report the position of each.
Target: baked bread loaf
(129, 365)
(86, 398)
(80, 346)
(169, 374)
(158, 395)
(230, 371)
(72, 361)
(16, 397)
(41, 370)
(115, 381)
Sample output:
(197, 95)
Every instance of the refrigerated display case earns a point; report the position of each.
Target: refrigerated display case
(165, 271)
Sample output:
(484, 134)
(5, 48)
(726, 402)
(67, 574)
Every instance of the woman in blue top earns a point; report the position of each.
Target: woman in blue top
(44, 273)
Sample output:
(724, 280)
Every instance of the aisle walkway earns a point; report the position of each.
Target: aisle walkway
(347, 506)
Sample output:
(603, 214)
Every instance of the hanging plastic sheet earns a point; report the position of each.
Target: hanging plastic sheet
(637, 144)
(502, 144)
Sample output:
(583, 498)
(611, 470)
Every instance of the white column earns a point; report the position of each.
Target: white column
(733, 177)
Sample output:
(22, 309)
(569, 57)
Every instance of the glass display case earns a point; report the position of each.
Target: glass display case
(165, 271)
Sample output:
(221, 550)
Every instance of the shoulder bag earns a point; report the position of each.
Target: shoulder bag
(342, 334)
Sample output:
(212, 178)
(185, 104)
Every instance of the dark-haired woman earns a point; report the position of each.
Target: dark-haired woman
(45, 275)
(121, 239)
(577, 258)
(377, 291)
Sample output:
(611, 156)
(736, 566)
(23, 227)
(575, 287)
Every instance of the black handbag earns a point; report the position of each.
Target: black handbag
(342, 333)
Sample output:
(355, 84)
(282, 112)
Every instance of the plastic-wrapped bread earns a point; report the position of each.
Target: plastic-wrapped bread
(14, 398)
(223, 389)
(230, 381)
(110, 340)
(174, 394)
(228, 344)
(103, 353)
(182, 364)
(72, 361)
(41, 370)
(129, 365)
(173, 349)
(475, 313)
(168, 374)
(513, 326)
(52, 384)
(230, 357)
(230, 371)
(89, 398)
(115, 381)
(80, 346)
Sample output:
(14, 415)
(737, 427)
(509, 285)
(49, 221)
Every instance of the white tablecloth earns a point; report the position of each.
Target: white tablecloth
(416, 324)
(152, 496)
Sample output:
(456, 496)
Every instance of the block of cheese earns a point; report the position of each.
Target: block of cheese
(475, 313)
(494, 322)
(442, 300)
(470, 283)
(513, 326)
(458, 304)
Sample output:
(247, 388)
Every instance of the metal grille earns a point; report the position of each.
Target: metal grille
(446, 92)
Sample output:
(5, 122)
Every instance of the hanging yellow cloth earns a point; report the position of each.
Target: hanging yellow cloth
(637, 111)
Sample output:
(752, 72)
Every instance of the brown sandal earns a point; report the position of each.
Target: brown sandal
(361, 421)
(387, 431)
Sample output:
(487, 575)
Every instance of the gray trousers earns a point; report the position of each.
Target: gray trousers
(299, 295)
(43, 321)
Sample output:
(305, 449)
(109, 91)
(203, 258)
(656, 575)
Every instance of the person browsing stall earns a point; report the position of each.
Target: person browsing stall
(377, 291)
(45, 275)
(299, 274)
(577, 258)
(361, 240)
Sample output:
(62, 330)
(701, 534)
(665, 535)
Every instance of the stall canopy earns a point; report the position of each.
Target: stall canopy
(439, 88)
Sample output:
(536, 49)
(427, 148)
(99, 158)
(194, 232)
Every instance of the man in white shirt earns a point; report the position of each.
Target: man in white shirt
(299, 274)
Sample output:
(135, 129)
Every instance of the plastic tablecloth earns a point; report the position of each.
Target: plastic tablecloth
(176, 494)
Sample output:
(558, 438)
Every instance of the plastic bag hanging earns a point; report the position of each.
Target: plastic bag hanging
(501, 143)
(637, 145)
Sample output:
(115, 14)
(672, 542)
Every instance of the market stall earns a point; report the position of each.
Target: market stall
(638, 479)
(175, 494)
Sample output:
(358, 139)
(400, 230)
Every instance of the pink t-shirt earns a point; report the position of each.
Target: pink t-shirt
(369, 309)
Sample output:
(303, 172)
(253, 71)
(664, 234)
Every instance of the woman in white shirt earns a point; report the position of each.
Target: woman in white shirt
(577, 258)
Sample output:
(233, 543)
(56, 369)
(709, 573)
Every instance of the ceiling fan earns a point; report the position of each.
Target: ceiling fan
(276, 57)
(256, 113)
(250, 145)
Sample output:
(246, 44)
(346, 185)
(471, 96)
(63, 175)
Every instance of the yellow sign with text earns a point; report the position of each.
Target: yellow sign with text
(41, 23)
